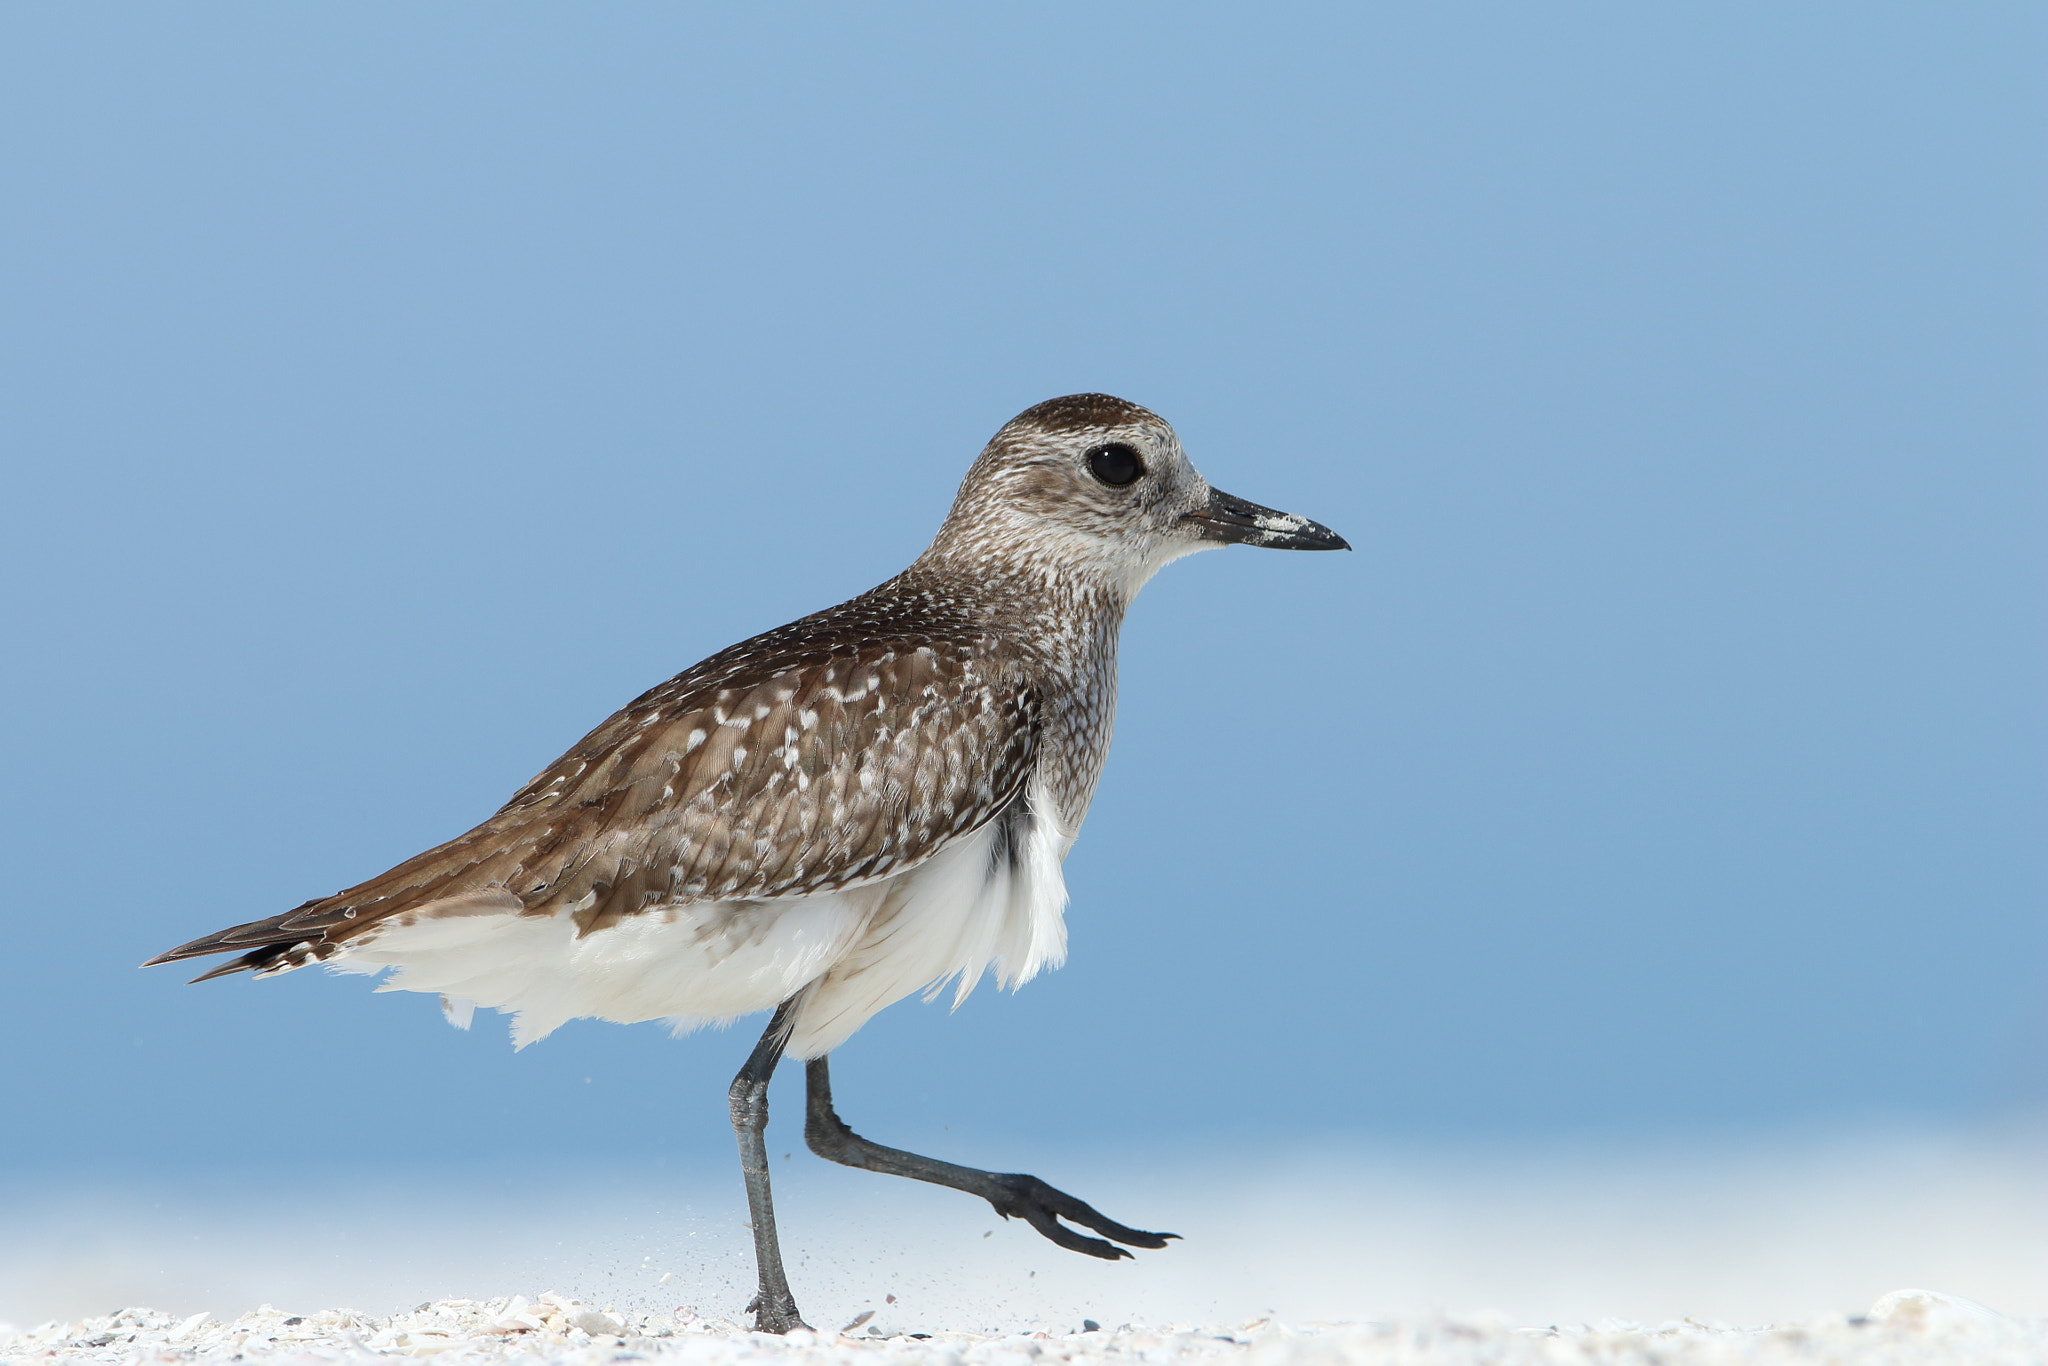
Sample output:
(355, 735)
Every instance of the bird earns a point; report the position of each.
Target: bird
(871, 801)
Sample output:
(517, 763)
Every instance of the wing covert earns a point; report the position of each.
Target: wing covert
(764, 778)
(811, 779)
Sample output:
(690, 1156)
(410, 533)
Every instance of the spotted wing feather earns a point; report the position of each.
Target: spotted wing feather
(783, 767)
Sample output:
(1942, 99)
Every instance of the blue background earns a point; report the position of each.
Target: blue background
(391, 392)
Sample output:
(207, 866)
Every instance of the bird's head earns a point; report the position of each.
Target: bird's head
(1095, 486)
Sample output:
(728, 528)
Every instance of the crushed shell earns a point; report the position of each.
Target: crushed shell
(1906, 1328)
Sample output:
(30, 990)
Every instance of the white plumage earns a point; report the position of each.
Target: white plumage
(976, 905)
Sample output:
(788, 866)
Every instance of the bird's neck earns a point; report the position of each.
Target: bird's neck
(1034, 604)
(1059, 630)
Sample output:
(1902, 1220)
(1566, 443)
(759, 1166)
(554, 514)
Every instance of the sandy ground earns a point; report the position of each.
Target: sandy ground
(1440, 1257)
(1907, 1326)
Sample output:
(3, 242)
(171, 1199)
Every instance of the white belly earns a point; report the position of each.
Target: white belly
(991, 899)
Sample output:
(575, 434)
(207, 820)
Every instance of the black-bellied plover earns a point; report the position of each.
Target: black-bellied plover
(869, 801)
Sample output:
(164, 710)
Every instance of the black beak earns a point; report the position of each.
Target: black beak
(1228, 519)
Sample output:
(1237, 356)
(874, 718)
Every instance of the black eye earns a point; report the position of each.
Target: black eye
(1115, 464)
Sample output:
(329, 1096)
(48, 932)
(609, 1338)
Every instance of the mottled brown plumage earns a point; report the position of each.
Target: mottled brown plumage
(841, 748)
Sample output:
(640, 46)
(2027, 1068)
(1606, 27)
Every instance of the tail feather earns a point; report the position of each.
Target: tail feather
(472, 868)
(272, 946)
(257, 961)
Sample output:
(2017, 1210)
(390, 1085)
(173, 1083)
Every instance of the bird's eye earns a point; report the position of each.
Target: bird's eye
(1115, 464)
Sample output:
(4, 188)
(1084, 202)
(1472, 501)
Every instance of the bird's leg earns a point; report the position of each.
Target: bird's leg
(774, 1307)
(1012, 1193)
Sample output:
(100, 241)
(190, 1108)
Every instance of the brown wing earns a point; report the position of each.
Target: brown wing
(785, 766)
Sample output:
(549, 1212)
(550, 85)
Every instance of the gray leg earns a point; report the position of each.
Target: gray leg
(1012, 1193)
(774, 1308)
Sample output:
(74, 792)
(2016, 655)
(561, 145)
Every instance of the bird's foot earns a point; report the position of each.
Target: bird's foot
(1043, 1206)
(776, 1313)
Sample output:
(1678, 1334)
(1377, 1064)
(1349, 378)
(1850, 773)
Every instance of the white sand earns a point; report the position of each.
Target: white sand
(1907, 1326)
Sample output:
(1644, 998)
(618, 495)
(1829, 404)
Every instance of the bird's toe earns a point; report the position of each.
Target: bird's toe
(1043, 1206)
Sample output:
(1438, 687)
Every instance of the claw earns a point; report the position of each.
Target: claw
(1043, 1207)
